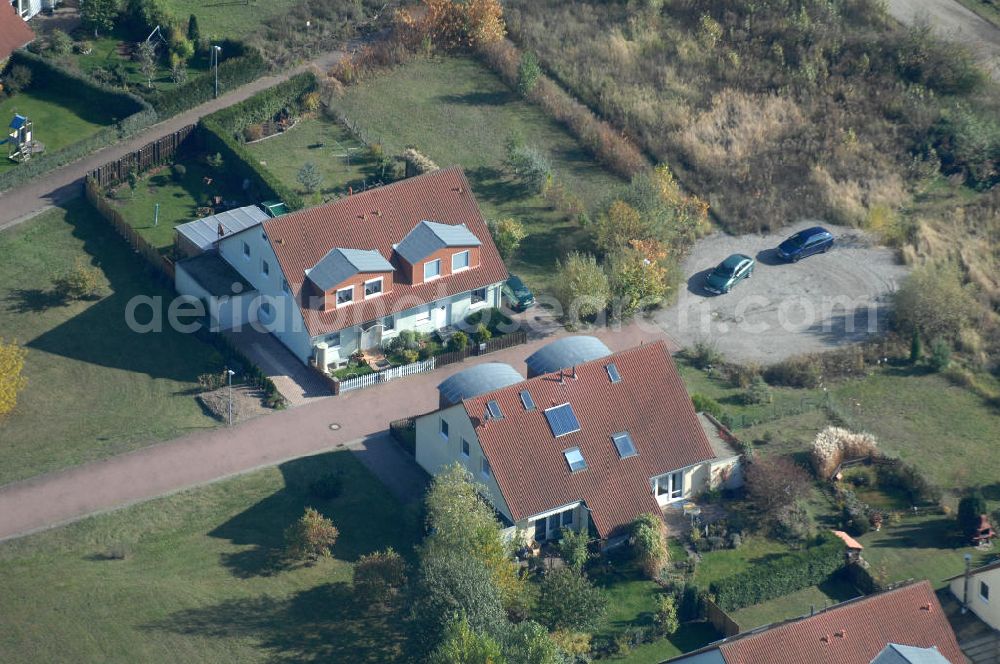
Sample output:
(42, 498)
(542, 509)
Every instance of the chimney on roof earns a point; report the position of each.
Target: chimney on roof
(825, 638)
(926, 607)
(574, 372)
(562, 379)
(842, 634)
(361, 217)
(377, 213)
(222, 231)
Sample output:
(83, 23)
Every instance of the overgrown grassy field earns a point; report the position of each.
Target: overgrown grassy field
(325, 144)
(459, 113)
(58, 119)
(200, 581)
(95, 388)
(237, 19)
(179, 199)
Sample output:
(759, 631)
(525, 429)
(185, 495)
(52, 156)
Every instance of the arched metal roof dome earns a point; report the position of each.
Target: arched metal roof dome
(565, 353)
(477, 380)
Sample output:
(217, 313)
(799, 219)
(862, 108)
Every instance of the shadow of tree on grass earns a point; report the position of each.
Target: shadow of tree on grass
(327, 623)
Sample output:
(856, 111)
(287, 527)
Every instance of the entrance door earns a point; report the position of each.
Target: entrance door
(439, 316)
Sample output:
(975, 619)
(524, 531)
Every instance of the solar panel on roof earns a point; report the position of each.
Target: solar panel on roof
(574, 457)
(562, 420)
(529, 403)
(613, 373)
(494, 410)
(624, 445)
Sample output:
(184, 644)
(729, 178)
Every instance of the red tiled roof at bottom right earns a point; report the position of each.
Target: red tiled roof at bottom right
(854, 633)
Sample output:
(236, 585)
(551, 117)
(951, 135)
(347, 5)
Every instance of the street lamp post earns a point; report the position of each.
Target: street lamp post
(215, 58)
(230, 373)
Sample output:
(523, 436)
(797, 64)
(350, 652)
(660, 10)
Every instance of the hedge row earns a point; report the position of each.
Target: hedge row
(781, 576)
(243, 65)
(135, 115)
(221, 129)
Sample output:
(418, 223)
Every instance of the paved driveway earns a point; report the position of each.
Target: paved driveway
(820, 303)
(359, 419)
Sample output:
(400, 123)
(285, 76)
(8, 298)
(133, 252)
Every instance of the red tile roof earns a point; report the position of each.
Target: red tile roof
(853, 633)
(377, 219)
(650, 403)
(14, 32)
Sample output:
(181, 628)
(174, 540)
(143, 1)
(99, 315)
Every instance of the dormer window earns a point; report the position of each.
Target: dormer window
(345, 296)
(460, 261)
(373, 287)
(432, 269)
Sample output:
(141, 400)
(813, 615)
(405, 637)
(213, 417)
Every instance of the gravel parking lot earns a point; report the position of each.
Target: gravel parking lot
(819, 303)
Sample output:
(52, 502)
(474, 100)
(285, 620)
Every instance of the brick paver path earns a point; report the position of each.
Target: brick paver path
(49, 500)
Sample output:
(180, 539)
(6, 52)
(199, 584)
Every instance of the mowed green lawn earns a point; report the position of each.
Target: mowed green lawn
(459, 113)
(201, 581)
(232, 19)
(58, 119)
(179, 199)
(323, 143)
(95, 388)
(798, 603)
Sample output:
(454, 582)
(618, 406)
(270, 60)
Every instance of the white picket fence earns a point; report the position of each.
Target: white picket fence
(372, 379)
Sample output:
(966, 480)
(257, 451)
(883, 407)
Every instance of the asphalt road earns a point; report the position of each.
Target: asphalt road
(820, 303)
(955, 22)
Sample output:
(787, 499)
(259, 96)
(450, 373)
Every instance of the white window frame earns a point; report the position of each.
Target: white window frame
(422, 317)
(265, 269)
(372, 281)
(391, 323)
(468, 260)
(349, 289)
(473, 302)
(436, 261)
(466, 448)
(332, 340)
(985, 599)
(246, 250)
(443, 428)
(484, 468)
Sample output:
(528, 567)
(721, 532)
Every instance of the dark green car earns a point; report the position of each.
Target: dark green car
(516, 294)
(729, 272)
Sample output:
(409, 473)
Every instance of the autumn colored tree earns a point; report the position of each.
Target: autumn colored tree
(581, 285)
(311, 537)
(617, 227)
(11, 381)
(461, 522)
(463, 645)
(378, 575)
(507, 235)
(638, 275)
(82, 282)
(457, 24)
(775, 483)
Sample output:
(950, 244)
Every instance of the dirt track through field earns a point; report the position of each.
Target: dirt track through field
(955, 22)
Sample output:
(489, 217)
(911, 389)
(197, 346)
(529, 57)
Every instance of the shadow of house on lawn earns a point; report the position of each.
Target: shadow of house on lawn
(327, 623)
(100, 335)
(367, 516)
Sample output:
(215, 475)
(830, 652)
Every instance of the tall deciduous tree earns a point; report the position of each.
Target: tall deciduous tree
(11, 381)
(581, 285)
(933, 303)
(99, 14)
(147, 61)
(774, 483)
(463, 645)
(568, 600)
(970, 508)
(462, 522)
(508, 233)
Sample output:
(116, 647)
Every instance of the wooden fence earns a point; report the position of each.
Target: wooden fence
(152, 255)
(148, 156)
(498, 343)
(721, 620)
(372, 379)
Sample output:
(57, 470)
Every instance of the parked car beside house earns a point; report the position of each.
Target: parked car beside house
(516, 295)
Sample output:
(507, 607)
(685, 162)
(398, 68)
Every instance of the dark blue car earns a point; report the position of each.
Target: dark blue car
(815, 240)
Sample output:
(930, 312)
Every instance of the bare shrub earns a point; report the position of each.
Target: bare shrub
(834, 445)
